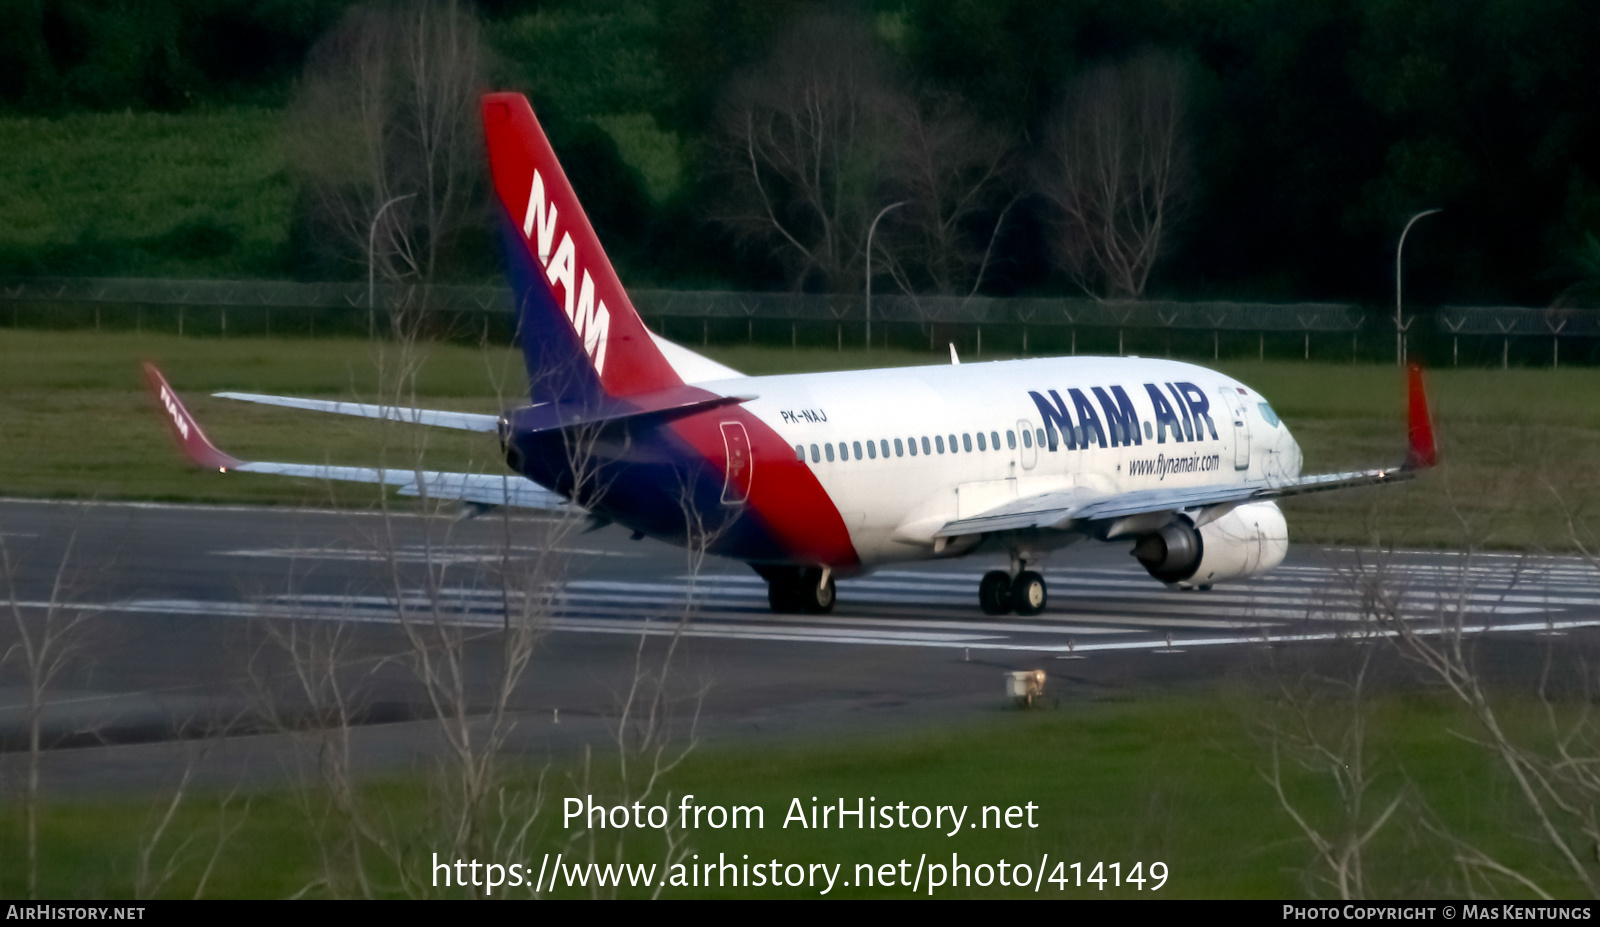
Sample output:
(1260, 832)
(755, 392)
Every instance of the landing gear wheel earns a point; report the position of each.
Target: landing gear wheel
(1028, 593)
(994, 593)
(783, 592)
(816, 593)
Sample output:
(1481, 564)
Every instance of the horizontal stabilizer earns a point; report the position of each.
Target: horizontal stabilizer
(463, 421)
(475, 488)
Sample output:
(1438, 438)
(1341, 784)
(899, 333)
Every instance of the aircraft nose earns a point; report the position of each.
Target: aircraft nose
(1289, 451)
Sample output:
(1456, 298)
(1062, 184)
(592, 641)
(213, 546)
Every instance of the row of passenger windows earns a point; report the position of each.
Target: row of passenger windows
(1119, 433)
(938, 444)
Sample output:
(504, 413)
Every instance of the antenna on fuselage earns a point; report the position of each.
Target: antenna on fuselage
(954, 360)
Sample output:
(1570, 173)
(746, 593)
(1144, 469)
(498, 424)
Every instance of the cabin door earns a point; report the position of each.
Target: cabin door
(1241, 426)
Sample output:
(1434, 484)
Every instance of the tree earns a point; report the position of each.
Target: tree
(1115, 172)
(806, 140)
(386, 114)
(46, 642)
(952, 170)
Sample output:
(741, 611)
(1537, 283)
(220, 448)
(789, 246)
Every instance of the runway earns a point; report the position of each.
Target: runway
(180, 602)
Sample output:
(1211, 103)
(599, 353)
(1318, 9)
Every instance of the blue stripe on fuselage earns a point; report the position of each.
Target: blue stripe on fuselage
(645, 477)
(558, 366)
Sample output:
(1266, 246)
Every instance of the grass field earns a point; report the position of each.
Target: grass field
(1520, 447)
(1177, 780)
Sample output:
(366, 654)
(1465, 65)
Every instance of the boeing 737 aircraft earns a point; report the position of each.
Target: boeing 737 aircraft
(813, 477)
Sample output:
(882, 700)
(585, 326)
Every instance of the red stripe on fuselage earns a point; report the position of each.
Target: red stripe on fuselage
(784, 491)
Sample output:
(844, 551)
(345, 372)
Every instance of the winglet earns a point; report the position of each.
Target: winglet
(191, 440)
(1422, 453)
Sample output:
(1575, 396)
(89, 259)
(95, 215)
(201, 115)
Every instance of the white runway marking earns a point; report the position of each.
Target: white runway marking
(1091, 610)
(443, 556)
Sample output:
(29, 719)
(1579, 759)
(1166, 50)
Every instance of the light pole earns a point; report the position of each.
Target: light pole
(867, 306)
(1399, 321)
(372, 260)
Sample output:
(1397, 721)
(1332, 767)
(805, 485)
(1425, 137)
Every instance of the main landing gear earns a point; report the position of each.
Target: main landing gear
(1000, 594)
(800, 589)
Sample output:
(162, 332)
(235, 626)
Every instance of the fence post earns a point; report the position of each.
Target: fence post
(1455, 340)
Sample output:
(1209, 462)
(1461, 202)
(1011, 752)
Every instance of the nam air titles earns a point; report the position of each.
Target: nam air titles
(1106, 416)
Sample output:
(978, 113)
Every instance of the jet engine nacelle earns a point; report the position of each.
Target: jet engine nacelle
(1250, 539)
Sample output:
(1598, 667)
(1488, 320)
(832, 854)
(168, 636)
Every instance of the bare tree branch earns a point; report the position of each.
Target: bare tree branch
(806, 141)
(1116, 172)
(386, 109)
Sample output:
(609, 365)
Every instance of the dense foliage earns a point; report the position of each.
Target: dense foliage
(1314, 130)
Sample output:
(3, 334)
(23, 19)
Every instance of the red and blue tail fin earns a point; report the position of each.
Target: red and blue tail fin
(580, 335)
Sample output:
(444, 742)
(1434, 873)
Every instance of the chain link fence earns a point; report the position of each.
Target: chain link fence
(1325, 331)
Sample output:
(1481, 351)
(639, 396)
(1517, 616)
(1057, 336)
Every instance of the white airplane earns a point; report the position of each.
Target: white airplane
(813, 477)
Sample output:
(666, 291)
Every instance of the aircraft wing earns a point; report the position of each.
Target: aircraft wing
(474, 488)
(1061, 510)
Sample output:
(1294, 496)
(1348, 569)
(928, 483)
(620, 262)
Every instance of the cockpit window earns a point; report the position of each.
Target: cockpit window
(1268, 414)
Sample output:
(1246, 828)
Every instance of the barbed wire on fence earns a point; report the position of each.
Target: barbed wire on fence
(485, 308)
(711, 304)
(1519, 320)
